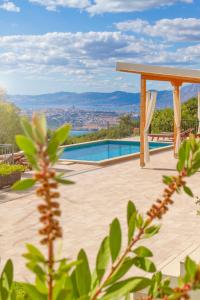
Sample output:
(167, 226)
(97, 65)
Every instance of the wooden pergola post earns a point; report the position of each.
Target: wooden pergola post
(177, 130)
(142, 119)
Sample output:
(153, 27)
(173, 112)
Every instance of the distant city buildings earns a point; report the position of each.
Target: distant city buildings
(79, 118)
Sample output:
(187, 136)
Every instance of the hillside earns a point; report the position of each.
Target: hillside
(115, 101)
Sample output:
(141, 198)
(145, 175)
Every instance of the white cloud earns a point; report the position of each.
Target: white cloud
(178, 29)
(87, 58)
(54, 4)
(9, 6)
(108, 6)
(64, 52)
(116, 6)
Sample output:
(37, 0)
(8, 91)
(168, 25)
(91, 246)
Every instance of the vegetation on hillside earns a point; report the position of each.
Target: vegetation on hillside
(123, 129)
(64, 279)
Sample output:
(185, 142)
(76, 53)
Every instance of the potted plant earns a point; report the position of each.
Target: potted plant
(9, 174)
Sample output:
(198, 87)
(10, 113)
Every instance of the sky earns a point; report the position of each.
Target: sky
(48, 46)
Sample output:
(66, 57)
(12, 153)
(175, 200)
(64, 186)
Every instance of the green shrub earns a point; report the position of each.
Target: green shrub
(6, 169)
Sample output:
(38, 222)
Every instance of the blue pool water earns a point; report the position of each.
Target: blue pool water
(97, 151)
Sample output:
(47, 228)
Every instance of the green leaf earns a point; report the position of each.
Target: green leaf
(33, 162)
(41, 285)
(36, 253)
(23, 184)
(62, 133)
(37, 270)
(121, 271)
(115, 238)
(131, 227)
(33, 293)
(143, 252)
(103, 258)
(25, 144)
(58, 138)
(63, 180)
(43, 124)
(27, 128)
(63, 295)
(188, 191)
(139, 221)
(167, 179)
(144, 264)
(122, 288)
(151, 231)
(182, 157)
(74, 284)
(131, 209)
(83, 275)
(127, 297)
(7, 274)
(4, 293)
(64, 283)
(190, 268)
(52, 147)
(39, 128)
(39, 137)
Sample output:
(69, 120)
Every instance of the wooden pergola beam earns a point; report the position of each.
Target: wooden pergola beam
(160, 73)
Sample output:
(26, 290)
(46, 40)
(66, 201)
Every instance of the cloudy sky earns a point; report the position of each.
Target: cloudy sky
(73, 45)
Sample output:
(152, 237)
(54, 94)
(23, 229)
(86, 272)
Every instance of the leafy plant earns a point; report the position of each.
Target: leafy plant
(74, 280)
(6, 169)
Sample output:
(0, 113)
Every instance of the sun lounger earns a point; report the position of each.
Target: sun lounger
(169, 136)
(162, 136)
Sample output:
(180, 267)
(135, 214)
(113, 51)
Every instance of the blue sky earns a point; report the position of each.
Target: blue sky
(73, 45)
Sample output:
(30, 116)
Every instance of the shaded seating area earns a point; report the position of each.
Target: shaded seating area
(176, 77)
(169, 136)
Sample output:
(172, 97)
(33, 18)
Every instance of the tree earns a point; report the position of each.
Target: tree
(189, 109)
(9, 121)
(126, 124)
(163, 119)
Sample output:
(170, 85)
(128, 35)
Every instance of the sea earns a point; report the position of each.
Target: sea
(79, 132)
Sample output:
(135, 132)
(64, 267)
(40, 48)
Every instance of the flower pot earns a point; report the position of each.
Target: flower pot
(8, 180)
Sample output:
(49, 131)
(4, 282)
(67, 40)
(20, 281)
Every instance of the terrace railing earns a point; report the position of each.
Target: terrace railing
(169, 127)
(6, 153)
(187, 124)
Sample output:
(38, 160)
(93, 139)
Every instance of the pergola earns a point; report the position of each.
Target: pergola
(173, 75)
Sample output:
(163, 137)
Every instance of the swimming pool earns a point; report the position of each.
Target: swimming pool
(106, 150)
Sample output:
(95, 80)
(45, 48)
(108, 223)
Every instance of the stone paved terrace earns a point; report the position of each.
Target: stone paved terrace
(99, 195)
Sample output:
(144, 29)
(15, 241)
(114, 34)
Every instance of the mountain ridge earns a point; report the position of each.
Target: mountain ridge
(115, 101)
